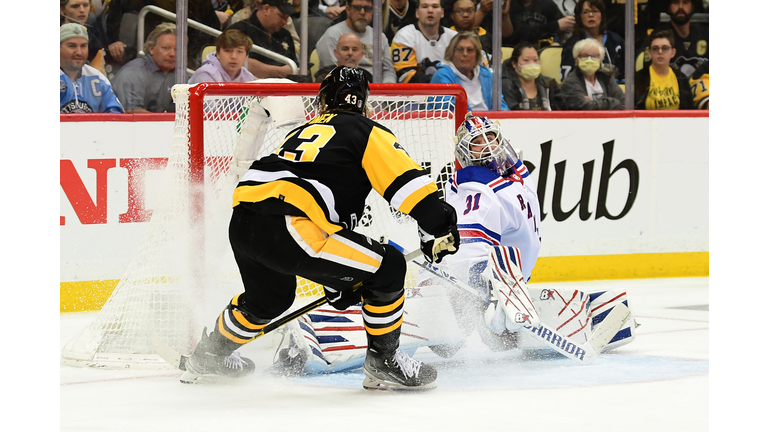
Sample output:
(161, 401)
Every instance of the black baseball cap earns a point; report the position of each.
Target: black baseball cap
(284, 6)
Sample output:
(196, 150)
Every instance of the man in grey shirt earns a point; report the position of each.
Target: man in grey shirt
(144, 83)
(359, 17)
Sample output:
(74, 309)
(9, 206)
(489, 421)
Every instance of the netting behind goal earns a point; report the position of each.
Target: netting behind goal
(184, 273)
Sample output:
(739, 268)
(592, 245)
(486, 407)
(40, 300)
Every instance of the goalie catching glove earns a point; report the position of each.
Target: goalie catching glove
(342, 299)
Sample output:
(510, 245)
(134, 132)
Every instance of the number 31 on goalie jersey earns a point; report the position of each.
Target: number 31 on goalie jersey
(316, 136)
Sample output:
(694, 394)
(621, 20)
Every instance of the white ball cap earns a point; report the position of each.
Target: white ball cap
(72, 30)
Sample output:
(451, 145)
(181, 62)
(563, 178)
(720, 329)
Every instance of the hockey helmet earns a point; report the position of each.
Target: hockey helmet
(343, 88)
(475, 147)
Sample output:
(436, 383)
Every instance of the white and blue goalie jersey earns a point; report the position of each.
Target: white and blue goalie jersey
(493, 210)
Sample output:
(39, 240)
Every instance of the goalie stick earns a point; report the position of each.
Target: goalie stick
(179, 361)
(584, 354)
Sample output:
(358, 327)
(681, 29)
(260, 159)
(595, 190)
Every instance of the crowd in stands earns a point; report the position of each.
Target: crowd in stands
(557, 55)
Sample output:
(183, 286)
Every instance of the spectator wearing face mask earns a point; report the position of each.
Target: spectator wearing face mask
(522, 84)
(588, 87)
(591, 22)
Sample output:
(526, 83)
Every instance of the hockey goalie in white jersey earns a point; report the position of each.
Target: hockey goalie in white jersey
(499, 221)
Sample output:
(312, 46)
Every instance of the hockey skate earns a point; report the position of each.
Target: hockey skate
(206, 365)
(397, 373)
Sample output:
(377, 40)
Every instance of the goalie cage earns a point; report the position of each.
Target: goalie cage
(184, 272)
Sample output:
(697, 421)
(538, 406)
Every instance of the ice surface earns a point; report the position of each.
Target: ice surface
(659, 382)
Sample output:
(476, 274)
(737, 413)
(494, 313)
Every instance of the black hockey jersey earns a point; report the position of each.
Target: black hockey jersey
(328, 166)
(691, 52)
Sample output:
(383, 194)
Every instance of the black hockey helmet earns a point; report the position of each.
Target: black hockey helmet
(343, 88)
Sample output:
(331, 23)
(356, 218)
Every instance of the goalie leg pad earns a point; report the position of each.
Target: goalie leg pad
(287, 112)
(601, 304)
(251, 138)
(565, 310)
(508, 287)
(323, 341)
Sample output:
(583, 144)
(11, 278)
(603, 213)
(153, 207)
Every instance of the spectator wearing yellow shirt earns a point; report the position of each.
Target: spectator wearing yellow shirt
(659, 86)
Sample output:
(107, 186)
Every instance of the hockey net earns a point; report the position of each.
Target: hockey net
(184, 273)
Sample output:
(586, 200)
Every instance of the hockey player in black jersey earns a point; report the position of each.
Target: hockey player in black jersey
(294, 214)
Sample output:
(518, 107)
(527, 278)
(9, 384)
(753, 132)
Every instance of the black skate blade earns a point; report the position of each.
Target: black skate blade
(388, 386)
(191, 378)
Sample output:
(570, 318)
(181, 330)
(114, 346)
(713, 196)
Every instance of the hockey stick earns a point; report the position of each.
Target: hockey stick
(584, 354)
(179, 360)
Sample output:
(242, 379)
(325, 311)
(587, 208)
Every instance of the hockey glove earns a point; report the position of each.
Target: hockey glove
(342, 299)
(435, 247)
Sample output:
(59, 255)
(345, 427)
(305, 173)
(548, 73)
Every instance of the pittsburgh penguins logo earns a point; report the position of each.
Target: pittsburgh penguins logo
(398, 146)
(76, 107)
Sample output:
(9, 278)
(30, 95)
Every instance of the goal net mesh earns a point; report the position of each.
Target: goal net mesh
(184, 273)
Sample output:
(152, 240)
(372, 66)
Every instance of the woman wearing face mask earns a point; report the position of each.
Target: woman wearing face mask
(588, 87)
(522, 84)
(591, 22)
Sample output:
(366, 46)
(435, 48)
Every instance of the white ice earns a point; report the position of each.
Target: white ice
(659, 382)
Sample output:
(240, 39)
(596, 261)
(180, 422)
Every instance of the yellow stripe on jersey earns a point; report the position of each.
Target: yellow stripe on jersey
(309, 232)
(385, 161)
(407, 77)
(242, 320)
(416, 197)
(478, 30)
(324, 245)
(385, 330)
(384, 309)
(226, 333)
(334, 247)
(403, 57)
(292, 194)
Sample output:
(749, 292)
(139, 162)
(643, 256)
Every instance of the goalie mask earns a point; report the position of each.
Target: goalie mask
(343, 88)
(479, 142)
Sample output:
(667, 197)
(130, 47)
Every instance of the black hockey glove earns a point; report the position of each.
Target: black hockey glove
(342, 299)
(446, 242)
